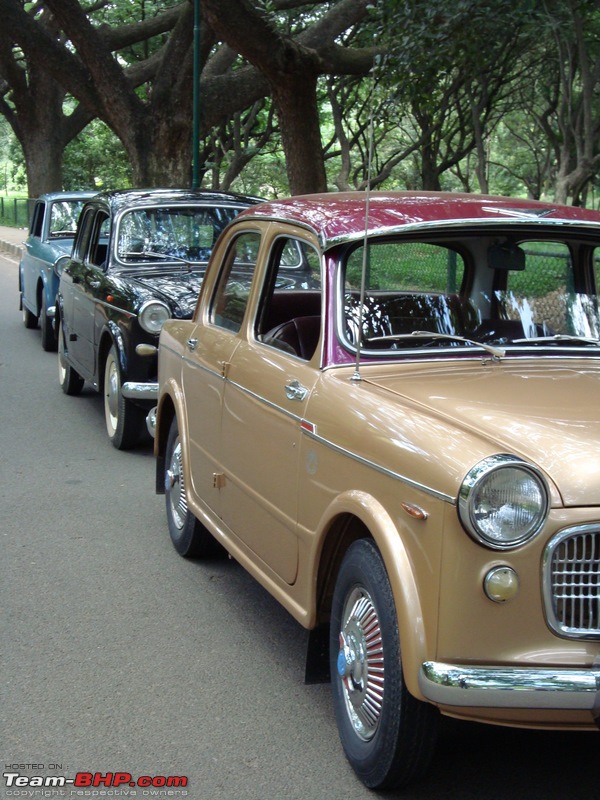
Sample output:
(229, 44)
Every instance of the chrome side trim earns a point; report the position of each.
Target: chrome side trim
(446, 498)
(310, 430)
(264, 401)
(511, 687)
(139, 391)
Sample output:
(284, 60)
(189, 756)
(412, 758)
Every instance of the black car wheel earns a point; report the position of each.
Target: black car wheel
(190, 538)
(49, 340)
(124, 420)
(70, 381)
(388, 736)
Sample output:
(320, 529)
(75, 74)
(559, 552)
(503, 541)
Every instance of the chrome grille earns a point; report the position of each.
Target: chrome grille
(572, 582)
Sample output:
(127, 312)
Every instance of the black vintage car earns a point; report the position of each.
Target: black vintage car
(138, 259)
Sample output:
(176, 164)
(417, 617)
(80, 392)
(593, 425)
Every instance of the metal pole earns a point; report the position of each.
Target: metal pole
(196, 100)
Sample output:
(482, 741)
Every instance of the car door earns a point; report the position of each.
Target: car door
(269, 380)
(210, 348)
(82, 286)
(32, 266)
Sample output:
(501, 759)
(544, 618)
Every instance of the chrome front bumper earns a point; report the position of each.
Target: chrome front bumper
(511, 687)
(140, 391)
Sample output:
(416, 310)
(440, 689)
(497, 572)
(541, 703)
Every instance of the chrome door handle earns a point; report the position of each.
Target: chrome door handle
(192, 344)
(295, 391)
(95, 284)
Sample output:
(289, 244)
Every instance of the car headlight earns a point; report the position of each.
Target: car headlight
(60, 263)
(503, 502)
(153, 314)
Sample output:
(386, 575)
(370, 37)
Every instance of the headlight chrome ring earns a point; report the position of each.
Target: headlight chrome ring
(503, 502)
(152, 315)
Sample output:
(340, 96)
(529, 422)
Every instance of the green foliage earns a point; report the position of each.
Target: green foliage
(96, 160)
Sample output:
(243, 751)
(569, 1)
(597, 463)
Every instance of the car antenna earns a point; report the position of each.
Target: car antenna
(365, 258)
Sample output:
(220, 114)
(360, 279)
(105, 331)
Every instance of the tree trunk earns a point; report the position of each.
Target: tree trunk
(297, 109)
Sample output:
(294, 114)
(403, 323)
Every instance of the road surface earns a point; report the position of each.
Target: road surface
(119, 656)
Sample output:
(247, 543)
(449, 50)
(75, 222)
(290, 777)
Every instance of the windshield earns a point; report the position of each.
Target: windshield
(503, 290)
(185, 233)
(63, 218)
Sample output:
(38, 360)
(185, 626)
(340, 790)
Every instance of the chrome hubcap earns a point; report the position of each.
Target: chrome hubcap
(175, 487)
(360, 663)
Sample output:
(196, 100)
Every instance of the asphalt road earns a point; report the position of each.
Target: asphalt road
(120, 656)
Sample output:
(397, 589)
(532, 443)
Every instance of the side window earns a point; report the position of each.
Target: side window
(232, 291)
(97, 250)
(289, 316)
(38, 219)
(83, 234)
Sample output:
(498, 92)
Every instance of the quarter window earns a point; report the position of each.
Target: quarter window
(233, 289)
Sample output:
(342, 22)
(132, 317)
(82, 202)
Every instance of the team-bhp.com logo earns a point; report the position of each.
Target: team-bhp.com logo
(92, 780)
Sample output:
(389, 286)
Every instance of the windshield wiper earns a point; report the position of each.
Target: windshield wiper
(557, 338)
(496, 352)
(159, 256)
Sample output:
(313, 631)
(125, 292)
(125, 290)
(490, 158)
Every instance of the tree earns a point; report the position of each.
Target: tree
(458, 61)
(155, 125)
(570, 118)
(32, 103)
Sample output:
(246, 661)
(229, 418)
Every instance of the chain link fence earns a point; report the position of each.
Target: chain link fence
(16, 211)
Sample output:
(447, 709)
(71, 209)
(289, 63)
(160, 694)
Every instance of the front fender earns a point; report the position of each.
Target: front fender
(171, 403)
(390, 536)
(112, 335)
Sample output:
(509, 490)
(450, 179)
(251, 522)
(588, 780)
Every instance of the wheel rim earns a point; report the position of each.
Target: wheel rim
(112, 389)
(175, 487)
(360, 663)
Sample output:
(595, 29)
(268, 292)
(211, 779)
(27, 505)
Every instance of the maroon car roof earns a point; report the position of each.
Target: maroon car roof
(338, 216)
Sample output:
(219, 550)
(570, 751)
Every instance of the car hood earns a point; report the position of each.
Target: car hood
(548, 415)
(61, 246)
(179, 289)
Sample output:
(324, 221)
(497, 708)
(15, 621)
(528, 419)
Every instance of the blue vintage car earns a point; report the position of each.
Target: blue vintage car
(51, 235)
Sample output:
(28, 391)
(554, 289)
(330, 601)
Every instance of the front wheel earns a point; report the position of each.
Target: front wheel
(124, 420)
(189, 536)
(388, 736)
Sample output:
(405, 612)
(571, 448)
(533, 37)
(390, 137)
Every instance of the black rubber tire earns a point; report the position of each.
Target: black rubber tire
(49, 340)
(395, 744)
(70, 381)
(124, 420)
(190, 537)
(29, 320)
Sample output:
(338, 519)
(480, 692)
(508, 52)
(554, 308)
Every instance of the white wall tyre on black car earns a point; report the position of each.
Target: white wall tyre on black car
(189, 536)
(388, 736)
(124, 420)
